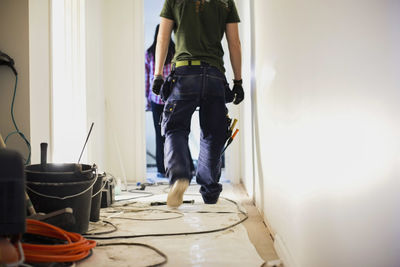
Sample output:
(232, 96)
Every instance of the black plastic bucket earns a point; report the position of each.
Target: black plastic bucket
(96, 199)
(53, 187)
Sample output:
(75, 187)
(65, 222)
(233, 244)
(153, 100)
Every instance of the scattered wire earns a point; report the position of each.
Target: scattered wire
(215, 212)
(102, 187)
(180, 215)
(115, 228)
(144, 194)
(184, 233)
(77, 247)
(159, 252)
(17, 131)
(22, 257)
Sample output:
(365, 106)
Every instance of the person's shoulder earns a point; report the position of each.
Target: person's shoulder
(173, 2)
(231, 3)
(227, 5)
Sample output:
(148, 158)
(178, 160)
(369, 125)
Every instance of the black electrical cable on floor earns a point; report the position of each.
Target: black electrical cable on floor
(115, 228)
(17, 131)
(139, 191)
(182, 233)
(144, 194)
(94, 236)
(159, 252)
(180, 215)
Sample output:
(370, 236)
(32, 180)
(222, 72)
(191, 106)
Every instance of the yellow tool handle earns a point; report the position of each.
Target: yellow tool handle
(233, 124)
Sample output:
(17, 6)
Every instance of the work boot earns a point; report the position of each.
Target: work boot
(175, 195)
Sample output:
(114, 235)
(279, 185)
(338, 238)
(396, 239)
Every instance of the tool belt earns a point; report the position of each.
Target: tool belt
(187, 63)
(166, 87)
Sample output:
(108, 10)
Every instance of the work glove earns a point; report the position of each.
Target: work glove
(237, 92)
(229, 95)
(157, 84)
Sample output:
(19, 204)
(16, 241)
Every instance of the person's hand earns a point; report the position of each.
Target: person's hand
(229, 95)
(157, 84)
(237, 92)
(148, 106)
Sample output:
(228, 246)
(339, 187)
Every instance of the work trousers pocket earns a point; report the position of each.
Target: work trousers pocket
(169, 109)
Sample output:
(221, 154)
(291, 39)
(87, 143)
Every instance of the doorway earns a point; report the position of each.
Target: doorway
(152, 9)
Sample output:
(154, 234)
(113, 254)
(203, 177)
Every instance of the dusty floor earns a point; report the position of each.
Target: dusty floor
(246, 244)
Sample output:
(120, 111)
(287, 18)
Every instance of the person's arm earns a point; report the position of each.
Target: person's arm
(147, 75)
(163, 39)
(235, 54)
(235, 50)
(147, 81)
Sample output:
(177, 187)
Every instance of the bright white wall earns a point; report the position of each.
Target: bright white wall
(39, 69)
(14, 41)
(152, 10)
(123, 71)
(327, 129)
(95, 99)
(68, 61)
(245, 137)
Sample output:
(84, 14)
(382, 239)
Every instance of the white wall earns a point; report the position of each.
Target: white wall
(95, 99)
(245, 137)
(152, 10)
(123, 71)
(327, 129)
(114, 81)
(14, 41)
(39, 69)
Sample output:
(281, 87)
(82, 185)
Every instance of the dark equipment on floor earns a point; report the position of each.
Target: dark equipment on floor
(96, 198)
(53, 187)
(162, 203)
(108, 191)
(12, 205)
(12, 194)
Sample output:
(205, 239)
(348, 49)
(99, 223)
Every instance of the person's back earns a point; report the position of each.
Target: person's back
(198, 80)
(199, 28)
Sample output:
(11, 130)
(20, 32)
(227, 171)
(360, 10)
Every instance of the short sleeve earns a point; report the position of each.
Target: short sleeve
(233, 15)
(166, 12)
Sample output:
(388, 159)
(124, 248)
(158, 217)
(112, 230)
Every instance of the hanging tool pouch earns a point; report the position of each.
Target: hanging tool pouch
(167, 86)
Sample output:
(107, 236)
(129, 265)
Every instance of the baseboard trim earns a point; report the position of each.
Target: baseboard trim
(283, 252)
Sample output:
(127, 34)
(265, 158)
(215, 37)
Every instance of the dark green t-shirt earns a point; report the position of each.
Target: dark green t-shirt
(199, 28)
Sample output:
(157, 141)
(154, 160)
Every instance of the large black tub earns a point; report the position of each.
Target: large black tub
(53, 187)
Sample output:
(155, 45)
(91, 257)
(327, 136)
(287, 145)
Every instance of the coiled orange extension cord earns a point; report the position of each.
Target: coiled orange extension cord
(77, 248)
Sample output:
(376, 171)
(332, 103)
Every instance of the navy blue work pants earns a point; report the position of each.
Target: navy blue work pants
(196, 86)
(157, 110)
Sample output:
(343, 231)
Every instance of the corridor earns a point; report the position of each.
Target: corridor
(315, 164)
